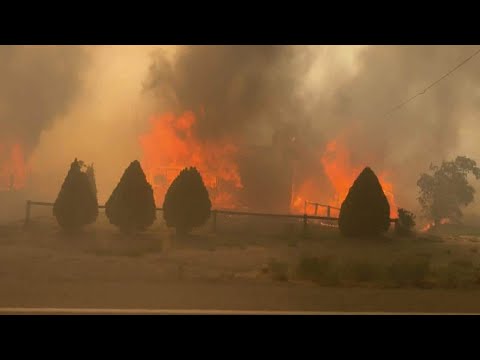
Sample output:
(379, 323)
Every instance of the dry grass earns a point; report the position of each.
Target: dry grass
(242, 246)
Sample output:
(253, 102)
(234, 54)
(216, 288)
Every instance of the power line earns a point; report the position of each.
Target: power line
(432, 84)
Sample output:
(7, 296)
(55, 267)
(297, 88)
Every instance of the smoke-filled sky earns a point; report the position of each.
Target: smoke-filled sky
(38, 84)
(92, 102)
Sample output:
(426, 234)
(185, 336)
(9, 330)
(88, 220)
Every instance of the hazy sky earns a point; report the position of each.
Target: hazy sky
(336, 88)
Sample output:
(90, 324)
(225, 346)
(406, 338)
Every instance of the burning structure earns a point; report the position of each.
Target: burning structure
(257, 178)
(278, 178)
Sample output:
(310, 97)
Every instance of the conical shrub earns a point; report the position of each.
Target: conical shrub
(131, 207)
(187, 203)
(365, 211)
(76, 204)
(91, 178)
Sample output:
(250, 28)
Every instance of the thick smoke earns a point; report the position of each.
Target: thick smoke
(37, 85)
(240, 88)
(425, 130)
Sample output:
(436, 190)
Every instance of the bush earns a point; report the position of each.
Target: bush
(365, 272)
(278, 270)
(409, 272)
(365, 211)
(320, 270)
(458, 274)
(131, 207)
(187, 204)
(76, 204)
(405, 223)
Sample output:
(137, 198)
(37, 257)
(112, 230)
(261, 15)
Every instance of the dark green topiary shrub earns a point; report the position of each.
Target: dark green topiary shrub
(365, 211)
(131, 207)
(187, 204)
(76, 204)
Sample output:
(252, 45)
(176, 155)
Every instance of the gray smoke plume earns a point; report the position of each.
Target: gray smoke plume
(239, 87)
(37, 85)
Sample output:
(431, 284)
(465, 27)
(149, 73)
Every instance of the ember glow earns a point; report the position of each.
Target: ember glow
(171, 145)
(442, 221)
(13, 170)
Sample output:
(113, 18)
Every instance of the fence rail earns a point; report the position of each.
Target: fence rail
(317, 205)
(305, 217)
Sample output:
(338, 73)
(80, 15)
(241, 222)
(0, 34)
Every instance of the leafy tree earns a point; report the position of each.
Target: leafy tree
(446, 190)
(76, 205)
(131, 207)
(405, 223)
(365, 211)
(187, 204)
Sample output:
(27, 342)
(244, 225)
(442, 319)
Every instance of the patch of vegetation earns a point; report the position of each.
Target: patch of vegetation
(409, 272)
(458, 274)
(320, 270)
(365, 272)
(278, 270)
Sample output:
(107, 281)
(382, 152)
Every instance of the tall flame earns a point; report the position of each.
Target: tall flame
(171, 145)
(342, 173)
(13, 169)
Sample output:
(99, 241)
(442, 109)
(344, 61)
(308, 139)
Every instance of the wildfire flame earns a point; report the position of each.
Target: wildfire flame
(341, 173)
(13, 169)
(171, 145)
(432, 224)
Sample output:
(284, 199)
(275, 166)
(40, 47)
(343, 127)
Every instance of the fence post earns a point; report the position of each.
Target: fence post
(27, 212)
(328, 210)
(214, 224)
(305, 224)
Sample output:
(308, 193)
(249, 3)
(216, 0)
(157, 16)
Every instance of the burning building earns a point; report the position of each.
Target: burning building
(267, 180)
(257, 178)
(278, 178)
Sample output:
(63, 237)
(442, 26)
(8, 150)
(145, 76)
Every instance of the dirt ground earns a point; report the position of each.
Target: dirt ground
(100, 268)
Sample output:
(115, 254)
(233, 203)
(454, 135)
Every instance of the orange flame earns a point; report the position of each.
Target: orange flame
(13, 169)
(171, 145)
(442, 221)
(341, 173)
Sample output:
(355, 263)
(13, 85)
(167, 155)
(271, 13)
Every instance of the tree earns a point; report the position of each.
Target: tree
(187, 204)
(76, 205)
(131, 206)
(365, 211)
(405, 223)
(444, 192)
